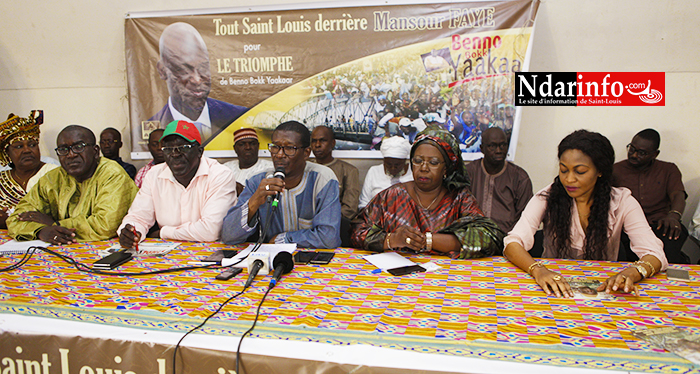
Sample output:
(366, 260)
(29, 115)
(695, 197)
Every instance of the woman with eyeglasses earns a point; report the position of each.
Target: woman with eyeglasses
(435, 213)
(19, 149)
(583, 217)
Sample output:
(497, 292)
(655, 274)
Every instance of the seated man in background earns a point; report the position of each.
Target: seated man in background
(110, 144)
(187, 196)
(322, 144)
(246, 145)
(393, 170)
(501, 187)
(309, 208)
(658, 187)
(83, 200)
(156, 152)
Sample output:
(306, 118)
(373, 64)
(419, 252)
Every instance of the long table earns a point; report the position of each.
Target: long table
(470, 316)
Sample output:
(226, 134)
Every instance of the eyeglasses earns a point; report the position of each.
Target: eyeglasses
(108, 142)
(495, 146)
(289, 150)
(180, 149)
(76, 148)
(632, 150)
(433, 163)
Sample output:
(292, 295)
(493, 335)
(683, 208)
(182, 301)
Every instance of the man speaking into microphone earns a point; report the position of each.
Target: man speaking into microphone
(303, 206)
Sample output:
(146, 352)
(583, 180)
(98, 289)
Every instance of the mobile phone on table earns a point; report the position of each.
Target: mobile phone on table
(677, 274)
(228, 273)
(322, 258)
(410, 269)
(220, 255)
(303, 257)
(112, 261)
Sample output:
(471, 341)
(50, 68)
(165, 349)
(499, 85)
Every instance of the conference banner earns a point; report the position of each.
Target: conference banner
(367, 72)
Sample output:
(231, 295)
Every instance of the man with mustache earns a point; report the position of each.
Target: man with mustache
(394, 169)
(309, 208)
(502, 188)
(83, 200)
(187, 196)
(184, 66)
(658, 187)
(246, 145)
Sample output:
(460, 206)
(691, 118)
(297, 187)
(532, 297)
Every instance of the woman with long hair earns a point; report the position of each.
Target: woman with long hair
(583, 217)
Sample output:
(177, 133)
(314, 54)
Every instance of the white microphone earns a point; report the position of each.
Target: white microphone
(258, 263)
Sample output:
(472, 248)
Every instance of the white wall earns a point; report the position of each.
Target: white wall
(68, 59)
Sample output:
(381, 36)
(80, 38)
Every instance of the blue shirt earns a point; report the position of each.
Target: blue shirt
(308, 214)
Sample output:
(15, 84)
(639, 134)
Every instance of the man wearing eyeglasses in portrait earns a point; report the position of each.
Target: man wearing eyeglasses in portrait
(658, 186)
(83, 200)
(308, 210)
(187, 196)
(502, 188)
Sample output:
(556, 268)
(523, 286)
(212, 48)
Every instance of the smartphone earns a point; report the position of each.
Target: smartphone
(220, 255)
(406, 270)
(228, 273)
(322, 258)
(112, 261)
(677, 274)
(303, 257)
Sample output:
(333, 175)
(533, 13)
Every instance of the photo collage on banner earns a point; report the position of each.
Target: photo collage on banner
(367, 72)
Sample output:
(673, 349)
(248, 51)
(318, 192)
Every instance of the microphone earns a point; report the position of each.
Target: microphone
(283, 264)
(279, 173)
(254, 269)
(257, 261)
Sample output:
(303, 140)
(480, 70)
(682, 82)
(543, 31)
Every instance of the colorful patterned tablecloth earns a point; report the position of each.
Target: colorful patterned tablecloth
(476, 308)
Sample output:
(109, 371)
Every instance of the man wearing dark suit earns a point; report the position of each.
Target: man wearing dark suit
(184, 66)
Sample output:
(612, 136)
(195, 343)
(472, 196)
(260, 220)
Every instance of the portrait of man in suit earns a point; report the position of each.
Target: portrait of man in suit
(184, 66)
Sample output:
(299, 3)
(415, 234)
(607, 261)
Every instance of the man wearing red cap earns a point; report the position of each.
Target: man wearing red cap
(187, 196)
(246, 145)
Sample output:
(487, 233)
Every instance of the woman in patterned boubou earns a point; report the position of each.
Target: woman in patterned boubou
(435, 213)
(19, 149)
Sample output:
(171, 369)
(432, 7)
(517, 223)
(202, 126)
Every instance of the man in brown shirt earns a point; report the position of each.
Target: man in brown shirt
(658, 187)
(501, 187)
(322, 144)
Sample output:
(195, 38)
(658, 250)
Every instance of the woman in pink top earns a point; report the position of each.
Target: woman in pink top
(583, 217)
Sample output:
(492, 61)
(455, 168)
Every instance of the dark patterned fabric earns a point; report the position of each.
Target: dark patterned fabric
(456, 177)
(457, 213)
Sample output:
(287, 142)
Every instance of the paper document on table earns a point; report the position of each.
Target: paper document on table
(15, 247)
(272, 249)
(587, 289)
(145, 249)
(673, 339)
(388, 260)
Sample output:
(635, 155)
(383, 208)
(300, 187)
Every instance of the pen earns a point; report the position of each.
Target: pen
(376, 271)
(137, 239)
(201, 263)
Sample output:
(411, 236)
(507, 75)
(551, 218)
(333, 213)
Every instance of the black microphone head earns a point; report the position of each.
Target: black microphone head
(285, 260)
(279, 173)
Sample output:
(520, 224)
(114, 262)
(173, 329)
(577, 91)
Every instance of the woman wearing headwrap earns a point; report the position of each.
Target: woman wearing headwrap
(435, 212)
(19, 148)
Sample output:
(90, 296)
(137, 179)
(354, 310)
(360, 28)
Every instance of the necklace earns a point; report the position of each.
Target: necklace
(22, 183)
(420, 203)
